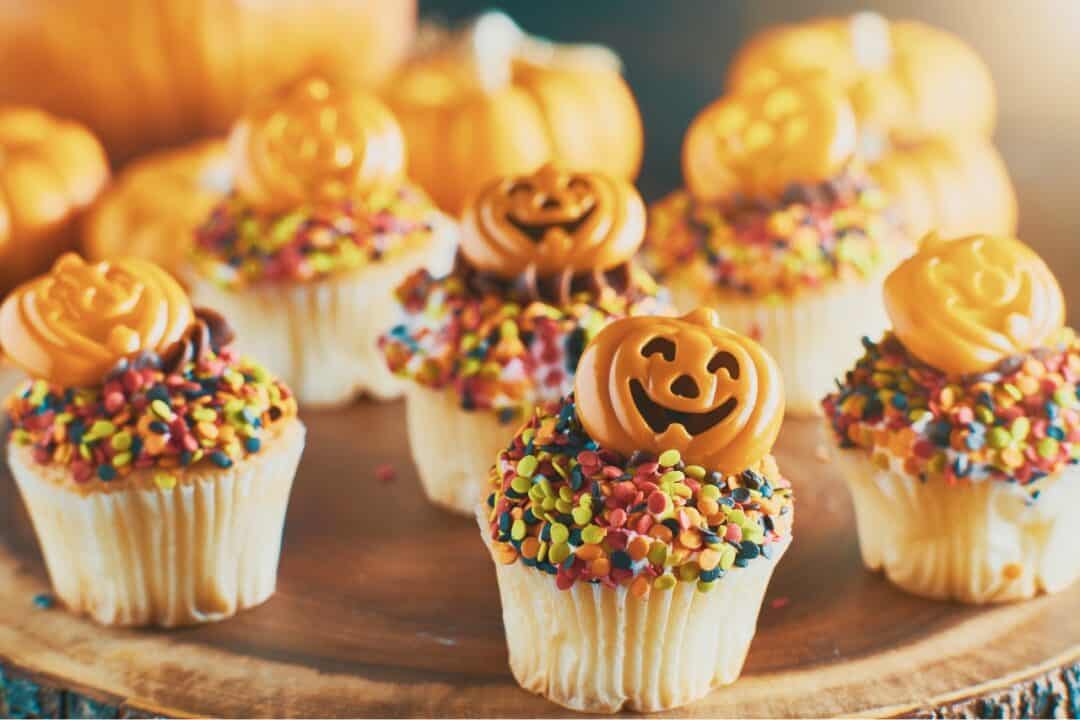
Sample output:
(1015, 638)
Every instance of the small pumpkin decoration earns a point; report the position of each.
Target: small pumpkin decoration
(905, 79)
(963, 305)
(956, 188)
(492, 101)
(153, 207)
(314, 141)
(553, 220)
(50, 171)
(657, 383)
(145, 75)
(767, 136)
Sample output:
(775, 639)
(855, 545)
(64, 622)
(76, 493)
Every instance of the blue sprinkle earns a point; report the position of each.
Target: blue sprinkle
(158, 392)
(748, 550)
(1055, 432)
(158, 427)
(106, 472)
(220, 459)
(253, 444)
(1051, 409)
(740, 495)
(44, 601)
(709, 575)
(975, 441)
(621, 559)
(899, 401)
(505, 521)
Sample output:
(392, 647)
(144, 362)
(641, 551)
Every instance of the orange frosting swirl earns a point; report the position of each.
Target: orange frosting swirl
(553, 220)
(73, 325)
(315, 143)
(963, 305)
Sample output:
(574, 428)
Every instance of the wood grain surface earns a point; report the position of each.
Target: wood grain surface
(387, 606)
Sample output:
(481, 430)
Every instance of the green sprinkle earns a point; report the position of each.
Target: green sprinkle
(518, 529)
(121, 459)
(559, 533)
(670, 458)
(1014, 392)
(984, 414)
(999, 438)
(688, 572)
(204, 414)
(545, 487)
(521, 485)
(165, 481)
(121, 441)
(695, 471)
(1048, 448)
(705, 586)
(566, 493)
(527, 465)
(1020, 428)
(711, 492)
(582, 515)
(563, 506)
(593, 534)
(658, 553)
(22, 437)
(727, 557)
(665, 582)
(542, 551)
(672, 476)
(558, 553)
(162, 410)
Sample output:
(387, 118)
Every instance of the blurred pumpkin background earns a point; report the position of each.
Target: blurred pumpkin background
(145, 75)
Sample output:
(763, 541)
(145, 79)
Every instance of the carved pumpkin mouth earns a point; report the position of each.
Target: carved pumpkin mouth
(660, 418)
(537, 231)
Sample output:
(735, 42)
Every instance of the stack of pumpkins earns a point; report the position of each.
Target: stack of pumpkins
(925, 105)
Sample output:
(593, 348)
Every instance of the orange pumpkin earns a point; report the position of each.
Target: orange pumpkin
(956, 188)
(315, 141)
(656, 384)
(493, 102)
(553, 220)
(50, 171)
(905, 79)
(151, 74)
(767, 136)
(155, 204)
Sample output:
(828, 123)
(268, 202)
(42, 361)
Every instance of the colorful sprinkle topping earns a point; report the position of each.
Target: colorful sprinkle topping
(239, 245)
(1020, 422)
(582, 513)
(833, 232)
(216, 409)
(496, 353)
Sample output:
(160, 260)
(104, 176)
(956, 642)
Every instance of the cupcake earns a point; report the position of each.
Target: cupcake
(544, 263)
(156, 203)
(155, 464)
(303, 257)
(780, 229)
(958, 432)
(636, 523)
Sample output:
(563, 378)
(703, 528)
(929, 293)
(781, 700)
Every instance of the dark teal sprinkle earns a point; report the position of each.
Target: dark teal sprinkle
(106, 472)
(44, 601)
(575, 536)
(252, 444)
(709, 575)
(159, 427)
(1055, 432)
(740, 495)
(220, 459)
(621, 559)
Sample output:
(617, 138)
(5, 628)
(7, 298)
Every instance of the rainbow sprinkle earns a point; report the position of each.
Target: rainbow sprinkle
(834, 232)
(1019, 423)
(217, 410)
(237, 245)
(497, 354)
(582, 513)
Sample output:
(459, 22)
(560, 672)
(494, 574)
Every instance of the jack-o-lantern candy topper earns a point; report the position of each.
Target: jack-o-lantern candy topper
(774, 132)
(554, 221)
(688, 384)
(315, 143)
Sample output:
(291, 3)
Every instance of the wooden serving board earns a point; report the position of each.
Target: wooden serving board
(387, 606)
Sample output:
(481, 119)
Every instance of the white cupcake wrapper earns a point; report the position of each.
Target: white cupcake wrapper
(196, 553)
(814, 337)
(321, 337)
(976, 542)
(453, 448)
(597, 649)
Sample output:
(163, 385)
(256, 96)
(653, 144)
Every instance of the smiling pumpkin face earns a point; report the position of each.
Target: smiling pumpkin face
(553, 220)
(654, 384)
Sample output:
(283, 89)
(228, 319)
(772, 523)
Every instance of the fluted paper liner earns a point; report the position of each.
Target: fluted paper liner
(321, 337)
(453, 448)
(147, 556)
(596, 649)
(815, 337)
(977, 542)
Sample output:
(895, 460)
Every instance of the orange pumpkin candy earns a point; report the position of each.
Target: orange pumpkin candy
(145, 75)
(493, 102)
(688, 384)
(553, 220)
(767, 136)
(50, 171)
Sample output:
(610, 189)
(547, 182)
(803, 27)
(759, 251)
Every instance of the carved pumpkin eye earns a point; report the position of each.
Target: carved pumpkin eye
(520, 187)
(727, 361)
(578, 185)
(660, 345)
